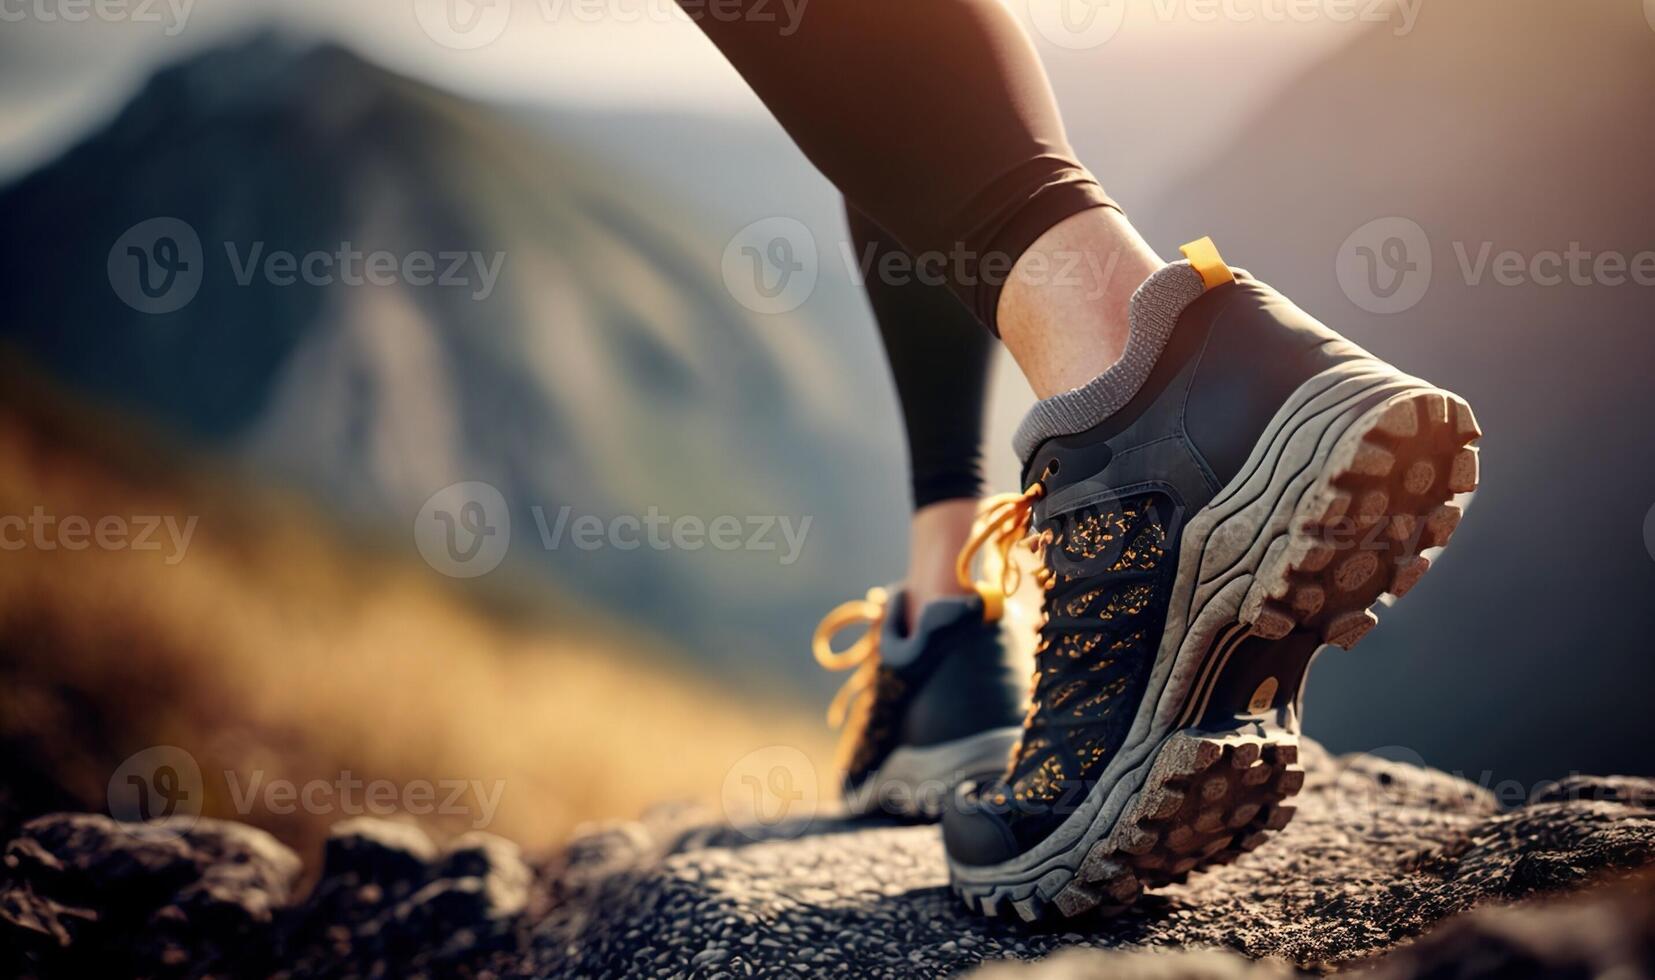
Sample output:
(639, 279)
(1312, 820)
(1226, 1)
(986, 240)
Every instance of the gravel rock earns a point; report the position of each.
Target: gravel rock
(1379, 853)
(1608, 934)
(84, 894)
(391, 900)
(380, 851)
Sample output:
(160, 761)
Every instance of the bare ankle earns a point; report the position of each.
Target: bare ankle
(936, 535)
(1063, 313)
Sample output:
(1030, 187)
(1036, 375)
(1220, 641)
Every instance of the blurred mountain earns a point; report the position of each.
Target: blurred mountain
(262, 644)
(1495, 125)
(590, 358)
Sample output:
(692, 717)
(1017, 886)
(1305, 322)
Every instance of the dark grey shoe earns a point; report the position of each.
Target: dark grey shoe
(1267, 485)
(928, 708)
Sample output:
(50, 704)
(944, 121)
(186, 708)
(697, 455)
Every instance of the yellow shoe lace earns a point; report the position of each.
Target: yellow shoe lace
(852, 704)
(1003, 522)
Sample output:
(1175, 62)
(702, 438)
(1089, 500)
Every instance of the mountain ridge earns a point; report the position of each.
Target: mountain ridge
(609, 370)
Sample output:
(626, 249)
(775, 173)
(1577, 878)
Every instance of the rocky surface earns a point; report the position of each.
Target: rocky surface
(84, 892)
(1607, 935)
(1379, 854)
(83, 895)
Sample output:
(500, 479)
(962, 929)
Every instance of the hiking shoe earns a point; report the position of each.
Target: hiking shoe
(927, 707)
(1266, 485)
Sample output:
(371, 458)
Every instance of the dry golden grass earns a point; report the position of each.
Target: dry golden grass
(275, 646)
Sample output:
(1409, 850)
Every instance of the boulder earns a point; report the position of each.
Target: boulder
(84, 894)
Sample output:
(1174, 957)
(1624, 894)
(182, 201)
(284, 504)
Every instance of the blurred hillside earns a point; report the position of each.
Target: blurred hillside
(606, 369)
(1511, 125)
(273, 647)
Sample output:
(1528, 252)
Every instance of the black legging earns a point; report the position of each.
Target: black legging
(933, 117)
(939, 357)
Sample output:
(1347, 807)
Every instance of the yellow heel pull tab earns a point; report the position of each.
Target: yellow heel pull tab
(1204, 258)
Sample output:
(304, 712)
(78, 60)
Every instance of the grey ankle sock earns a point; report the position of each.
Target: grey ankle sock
(1154, 310)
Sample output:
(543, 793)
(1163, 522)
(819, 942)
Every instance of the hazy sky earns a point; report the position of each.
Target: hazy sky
(59, 75)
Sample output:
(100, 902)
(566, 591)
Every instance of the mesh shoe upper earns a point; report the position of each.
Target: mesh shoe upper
(1106, 566)
(1106, 569)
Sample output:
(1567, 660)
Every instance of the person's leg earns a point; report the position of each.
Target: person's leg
(939, 357)
(1066, 329)
(941, 693)
(936, 120)
(1216, 484)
